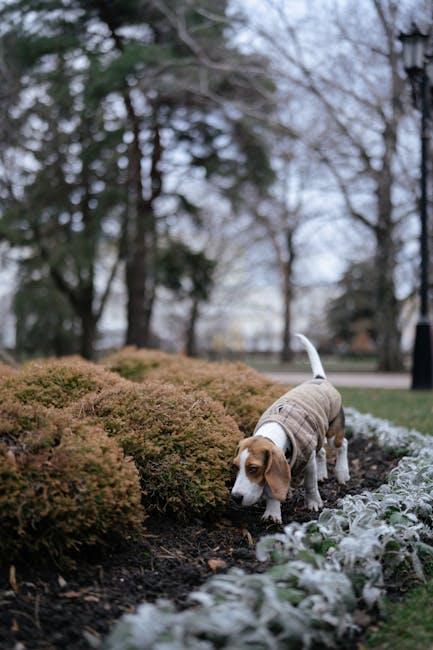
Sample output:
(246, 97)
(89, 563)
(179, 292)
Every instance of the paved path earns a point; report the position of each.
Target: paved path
(353, 379)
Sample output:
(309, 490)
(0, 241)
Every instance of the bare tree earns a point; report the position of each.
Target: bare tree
(281, 217)
(342, 60)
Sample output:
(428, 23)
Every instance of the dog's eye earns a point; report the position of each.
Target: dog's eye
(253, 469)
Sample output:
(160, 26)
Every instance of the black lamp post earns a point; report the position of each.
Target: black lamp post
(415, 64)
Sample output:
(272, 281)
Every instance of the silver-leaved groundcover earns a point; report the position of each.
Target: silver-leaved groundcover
(322, 574)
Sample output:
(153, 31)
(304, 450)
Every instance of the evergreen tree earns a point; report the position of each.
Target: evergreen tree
(190, 275)
(355, 305)
(46, 324)
(67, 201)
(190, 79)
(134, 84)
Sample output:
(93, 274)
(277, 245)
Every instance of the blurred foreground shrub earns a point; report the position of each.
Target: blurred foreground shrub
(64, 483)
(182, 442)
(244, 392)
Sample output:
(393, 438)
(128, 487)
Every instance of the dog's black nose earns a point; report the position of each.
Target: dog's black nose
(237, 498)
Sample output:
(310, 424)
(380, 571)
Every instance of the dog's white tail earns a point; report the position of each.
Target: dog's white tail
(313, 355)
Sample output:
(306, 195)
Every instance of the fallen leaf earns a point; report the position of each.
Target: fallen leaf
(72, 594)
(246, 533)
(13, 578)
(62, 582)
(10, 457)
(91, 599)
(216, 563)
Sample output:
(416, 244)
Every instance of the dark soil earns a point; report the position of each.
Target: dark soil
(45, 608)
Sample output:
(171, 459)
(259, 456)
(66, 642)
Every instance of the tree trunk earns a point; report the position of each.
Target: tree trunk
(140, 266)
(286, 350)
(191, 342)
(137, 332)
(286, 353)
(88, 334)
(387, 307)
(140, 272)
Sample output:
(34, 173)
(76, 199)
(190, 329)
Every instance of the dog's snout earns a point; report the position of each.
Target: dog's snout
(237, 498)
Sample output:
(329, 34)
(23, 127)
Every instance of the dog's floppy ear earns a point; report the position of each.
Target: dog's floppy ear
(278, 474)
(240, 447)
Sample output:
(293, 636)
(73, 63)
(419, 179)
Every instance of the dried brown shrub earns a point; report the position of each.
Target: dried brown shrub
(6, 371)
(58, 383)
(182, 442)
(64, 483)
(136, 364)
(244, 392)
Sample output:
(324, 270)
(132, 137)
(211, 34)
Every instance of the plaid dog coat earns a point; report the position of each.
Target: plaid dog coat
(305, 413)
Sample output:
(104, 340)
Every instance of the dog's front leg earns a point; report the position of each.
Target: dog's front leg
(313, 500)
(322, 469)
(273, 511)
(342, 464)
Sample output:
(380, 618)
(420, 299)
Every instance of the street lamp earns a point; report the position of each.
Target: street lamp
(415, 64)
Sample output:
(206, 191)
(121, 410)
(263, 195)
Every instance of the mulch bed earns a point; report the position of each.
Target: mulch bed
(47, 608)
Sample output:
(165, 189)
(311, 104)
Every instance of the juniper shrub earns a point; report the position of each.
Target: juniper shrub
(245, 393)
(6, 371)
(58, 383)
(64, 484)
(136, 364)
(182, 443)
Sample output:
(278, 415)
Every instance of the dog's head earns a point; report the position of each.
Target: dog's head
(260, 464)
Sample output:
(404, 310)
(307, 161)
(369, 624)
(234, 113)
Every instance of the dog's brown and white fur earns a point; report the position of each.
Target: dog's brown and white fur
(263, 470)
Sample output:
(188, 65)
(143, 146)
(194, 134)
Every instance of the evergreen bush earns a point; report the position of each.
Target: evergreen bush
(134, 364)
(182, 443)
(64, 483)
(58, 382)
(243, 391)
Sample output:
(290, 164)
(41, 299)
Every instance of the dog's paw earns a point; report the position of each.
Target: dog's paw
(269, 518)
(314, 503)
(322, 476)
(342, 477)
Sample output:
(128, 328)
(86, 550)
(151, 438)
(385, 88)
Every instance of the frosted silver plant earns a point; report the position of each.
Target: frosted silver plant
(322, 570)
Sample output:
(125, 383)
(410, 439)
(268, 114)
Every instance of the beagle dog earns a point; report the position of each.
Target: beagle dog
(287, 446)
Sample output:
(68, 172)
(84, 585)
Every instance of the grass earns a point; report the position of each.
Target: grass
(412, 409)
(407, 625)
(300, 363)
